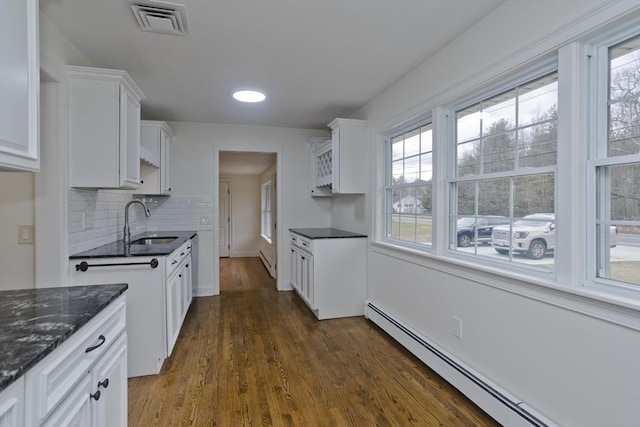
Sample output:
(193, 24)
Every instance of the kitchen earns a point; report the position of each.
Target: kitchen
(196, 148)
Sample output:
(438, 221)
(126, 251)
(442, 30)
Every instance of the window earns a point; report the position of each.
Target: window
(408, 186)
(266, 210)
(502, 177)
(616, 166)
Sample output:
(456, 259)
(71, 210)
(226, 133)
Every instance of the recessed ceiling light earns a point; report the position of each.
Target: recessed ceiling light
(249, 96)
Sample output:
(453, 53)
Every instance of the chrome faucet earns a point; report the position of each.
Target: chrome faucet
(127, 232)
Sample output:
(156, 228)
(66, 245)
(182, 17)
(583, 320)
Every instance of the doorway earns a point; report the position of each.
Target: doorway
(247, 207)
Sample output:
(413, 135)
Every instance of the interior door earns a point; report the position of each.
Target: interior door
(224, 219)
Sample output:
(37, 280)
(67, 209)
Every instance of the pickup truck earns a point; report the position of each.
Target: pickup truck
(533, 236)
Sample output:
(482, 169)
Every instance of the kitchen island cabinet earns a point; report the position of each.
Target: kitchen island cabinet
(328, 270)
(60, 349)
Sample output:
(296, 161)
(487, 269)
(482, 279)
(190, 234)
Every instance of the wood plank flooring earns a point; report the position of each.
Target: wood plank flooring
(255, 356)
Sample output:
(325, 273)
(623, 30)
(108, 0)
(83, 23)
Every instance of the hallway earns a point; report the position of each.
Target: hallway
(256, 356)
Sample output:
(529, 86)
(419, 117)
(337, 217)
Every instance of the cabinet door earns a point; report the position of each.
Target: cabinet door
(184, 291)
(19, 85)
(75, 409)
(174, 309)
(293, 264)
(188, 283)
(109, 377)
(335, 160)
(307, 278)
(165, 163)
(12, 405)
(129, 140)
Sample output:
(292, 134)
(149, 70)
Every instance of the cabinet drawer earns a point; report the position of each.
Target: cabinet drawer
(176, 257)
(302, 242)
(58, 373)
(306, 244)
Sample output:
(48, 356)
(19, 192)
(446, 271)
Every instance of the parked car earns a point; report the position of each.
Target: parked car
(533, 236)
(467, 228)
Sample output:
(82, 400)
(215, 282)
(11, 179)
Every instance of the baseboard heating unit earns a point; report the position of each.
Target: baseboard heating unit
(499, 404)
(266, 264)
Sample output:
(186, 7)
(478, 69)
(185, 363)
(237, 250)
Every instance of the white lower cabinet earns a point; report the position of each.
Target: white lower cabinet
(109, 379)
(179, 296)
(75, 409)
(174, 304)
(157, 302)
(329, 275)
(84, 381)
(12, 405)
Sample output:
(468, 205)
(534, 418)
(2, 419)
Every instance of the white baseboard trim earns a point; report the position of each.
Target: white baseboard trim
(205, 291)
(244, 254)
(498, 403)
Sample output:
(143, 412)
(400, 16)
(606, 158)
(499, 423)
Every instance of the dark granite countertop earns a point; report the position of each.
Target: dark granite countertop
(33, 322)
(119, 249)
(325, 233)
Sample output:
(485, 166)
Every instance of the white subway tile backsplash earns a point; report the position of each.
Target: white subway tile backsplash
(96, 217)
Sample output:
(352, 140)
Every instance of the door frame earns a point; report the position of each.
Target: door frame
(228, 181)
(280, 228)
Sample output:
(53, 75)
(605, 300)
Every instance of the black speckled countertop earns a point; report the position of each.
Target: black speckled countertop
(33, 322)
(325, 233)
(119, 249)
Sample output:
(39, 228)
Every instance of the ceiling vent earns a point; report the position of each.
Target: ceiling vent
(160, 17)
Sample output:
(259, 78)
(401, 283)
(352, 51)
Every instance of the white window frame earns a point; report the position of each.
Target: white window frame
(570, 284)
(598, 86)
(388, 173)
(265, 211)
(540, 69)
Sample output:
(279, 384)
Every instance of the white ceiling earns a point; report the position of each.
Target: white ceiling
(315, 59)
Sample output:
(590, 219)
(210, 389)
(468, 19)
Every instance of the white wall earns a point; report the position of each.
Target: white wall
(196, 147)
(572, 366)
(51, 183)
(17, 265)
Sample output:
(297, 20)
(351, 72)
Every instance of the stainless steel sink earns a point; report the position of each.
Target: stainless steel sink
(154, 240)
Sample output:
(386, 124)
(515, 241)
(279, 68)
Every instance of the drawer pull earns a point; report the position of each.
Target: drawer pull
(102, 339)
(181, 253)
(305, 244)
(104, 383)
(96, 395)
(174, 262)
(186, 266)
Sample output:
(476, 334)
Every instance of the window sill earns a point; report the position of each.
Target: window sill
(612, 308)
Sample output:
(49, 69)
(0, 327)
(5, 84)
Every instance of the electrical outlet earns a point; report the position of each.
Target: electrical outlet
(457, 327)
(25, 234)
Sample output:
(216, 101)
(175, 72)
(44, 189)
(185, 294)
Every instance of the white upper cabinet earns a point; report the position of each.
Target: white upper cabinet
(348, 144)
(104, 128)
(19, 85)
(321, 166)
(337, 164)
(155, 168)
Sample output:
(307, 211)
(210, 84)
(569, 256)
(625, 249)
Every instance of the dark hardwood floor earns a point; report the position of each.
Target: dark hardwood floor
(256, 356)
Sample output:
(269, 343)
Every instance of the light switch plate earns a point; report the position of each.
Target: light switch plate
(25, 234)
